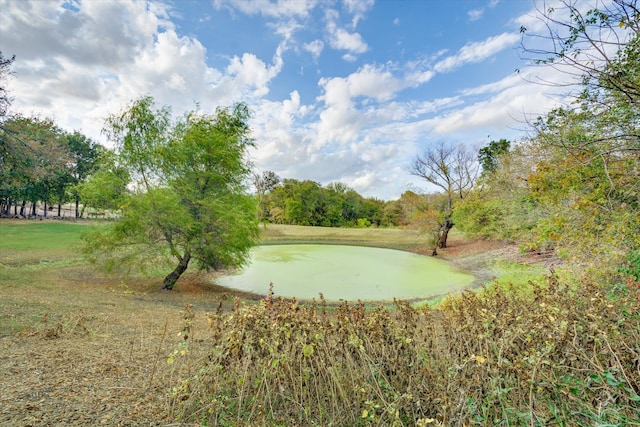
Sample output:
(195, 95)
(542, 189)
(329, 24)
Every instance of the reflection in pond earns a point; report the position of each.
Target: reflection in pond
(345, 272)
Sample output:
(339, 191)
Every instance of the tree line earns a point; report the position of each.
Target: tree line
(42, 164)
(306, 202)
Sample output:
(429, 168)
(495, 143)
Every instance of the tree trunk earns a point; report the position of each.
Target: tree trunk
(77, 206)
(173, 277)
(443, 235)
(59, 210)
(24, 205)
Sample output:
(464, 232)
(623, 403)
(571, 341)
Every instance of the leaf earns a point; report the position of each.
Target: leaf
(307, 350)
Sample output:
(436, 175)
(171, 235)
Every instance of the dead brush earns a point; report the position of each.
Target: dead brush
(562, 355)
(74, 324)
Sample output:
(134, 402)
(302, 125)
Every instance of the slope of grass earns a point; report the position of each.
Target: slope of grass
(30, 235)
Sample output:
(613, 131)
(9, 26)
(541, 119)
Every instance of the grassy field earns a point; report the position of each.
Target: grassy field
(381, 237)
(82, 348)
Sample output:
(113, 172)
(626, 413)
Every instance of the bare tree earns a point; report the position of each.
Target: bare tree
(452, 168)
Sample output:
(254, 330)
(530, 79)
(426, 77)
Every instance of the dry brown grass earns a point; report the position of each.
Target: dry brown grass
(88, 350)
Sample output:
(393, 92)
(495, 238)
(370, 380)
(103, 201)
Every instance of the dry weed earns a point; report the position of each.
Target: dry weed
(561, 356)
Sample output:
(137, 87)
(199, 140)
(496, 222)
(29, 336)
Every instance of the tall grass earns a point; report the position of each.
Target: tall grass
(557, 356)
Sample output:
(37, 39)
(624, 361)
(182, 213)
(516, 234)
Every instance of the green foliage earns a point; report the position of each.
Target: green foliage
(187, 198)
(33, 156)
(502, 207)
(5, 71)
(489, 156)
(573, 186)
(586, 179)
(308, 203)
(40, 162)
(107, 186)
(631, 267)
(554, 355)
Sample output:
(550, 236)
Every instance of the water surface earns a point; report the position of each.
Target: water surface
(345, 272)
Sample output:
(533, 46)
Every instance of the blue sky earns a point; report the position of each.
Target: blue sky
(346, 91)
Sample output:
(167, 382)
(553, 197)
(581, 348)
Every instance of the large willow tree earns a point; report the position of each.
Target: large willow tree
(187, 199)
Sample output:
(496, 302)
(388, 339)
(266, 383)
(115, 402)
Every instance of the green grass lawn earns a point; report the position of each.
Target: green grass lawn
(30, 235)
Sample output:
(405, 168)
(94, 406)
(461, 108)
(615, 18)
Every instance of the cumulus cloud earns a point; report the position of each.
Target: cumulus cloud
(249, 71)
(105, 54)
(343, 40)
(99, 33)
(512, 103)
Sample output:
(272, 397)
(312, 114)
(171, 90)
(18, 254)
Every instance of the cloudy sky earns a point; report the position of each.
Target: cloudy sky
(341, 90)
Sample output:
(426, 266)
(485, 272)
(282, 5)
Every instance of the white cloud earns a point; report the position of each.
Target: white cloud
(315, 48)
(477, 51)
(100, 33)
(357, 8)
(343, 40)
(475, 14)
(249, 71)
(286, 29)
(418, 77)
(79, 66)
(349, 57)
(514, 101)
(277, 9)
(376, 83)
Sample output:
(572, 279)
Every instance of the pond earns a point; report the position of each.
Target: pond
(345, 272)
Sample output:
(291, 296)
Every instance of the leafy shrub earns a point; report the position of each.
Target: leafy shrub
(632, 265)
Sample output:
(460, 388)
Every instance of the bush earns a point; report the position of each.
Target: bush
(557, 355)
